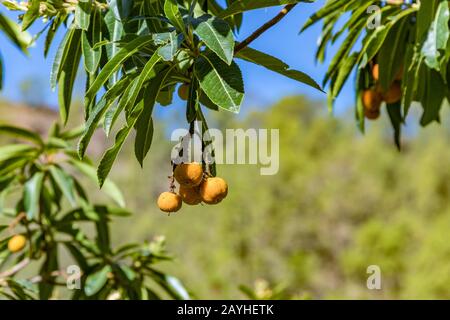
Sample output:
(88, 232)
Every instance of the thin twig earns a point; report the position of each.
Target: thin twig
(265, 27)
(22, 264)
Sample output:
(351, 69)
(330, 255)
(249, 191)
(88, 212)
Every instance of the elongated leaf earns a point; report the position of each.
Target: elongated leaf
(217, 36)
(97, 113)
(222, 83)
(276, 65)
(60, 57)
(15, 151)
(12, 30)
(31, 15)
(91, 54)
(134, 113)
(395, 115)
(83, 14)
(65, 183)
(173, 14)
(68, 74)
(111, 154)
(50, 265)
(144, 125)
(32, 193)
(246, 5)
(21, 133)
(168, 51)
(438, 36)
(114, 64)
(96, 281)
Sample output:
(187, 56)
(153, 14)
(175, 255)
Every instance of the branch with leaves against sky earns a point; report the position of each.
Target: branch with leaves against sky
(135, 54)
(410, 44)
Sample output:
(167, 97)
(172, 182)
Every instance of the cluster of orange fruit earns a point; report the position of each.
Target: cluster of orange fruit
(195, 188)
(373, 98)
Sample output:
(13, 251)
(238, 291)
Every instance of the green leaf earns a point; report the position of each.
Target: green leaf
(97, 113)
(15, 150)
(68, 74)
(114, 64)
(276, 65)
(21, 133)
(83, 14)
(50, 265)
(96, 281)
(172, 285)
(246, 5)
(173, 14)
(65, 183)
(31, 15)
(144, 125)
(395, 115)
(168, 51)
(32, 193)
(60, 57)
(433, 97)
(91, 54)
(217, 36)
(12, 30)
(109, 187)
(438, 36)
(134, 113)
(222, 83)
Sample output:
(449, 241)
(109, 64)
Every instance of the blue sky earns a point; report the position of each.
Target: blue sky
(263, 87)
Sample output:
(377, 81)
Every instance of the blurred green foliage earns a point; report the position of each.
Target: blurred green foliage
(340, 203)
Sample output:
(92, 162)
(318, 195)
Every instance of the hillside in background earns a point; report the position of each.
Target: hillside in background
(341, 202)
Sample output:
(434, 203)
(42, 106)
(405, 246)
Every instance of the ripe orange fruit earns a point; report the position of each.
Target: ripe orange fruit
(17, 243)
(190, 195)
(189, 174)
(372, 99)
(213, 190)
(183, 91)
(394, 93)
(169, 202)
(372, 114)
(376, 72)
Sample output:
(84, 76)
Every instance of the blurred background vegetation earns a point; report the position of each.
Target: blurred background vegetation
(341, 202)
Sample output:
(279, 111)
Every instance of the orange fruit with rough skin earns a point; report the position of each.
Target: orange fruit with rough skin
(189, 174)
(17, 243)
(394, 93)
(372, 99)
(183, 91)
(372, 114)
(169, 202)
(376, 72)
(213, 190)
(190, 195)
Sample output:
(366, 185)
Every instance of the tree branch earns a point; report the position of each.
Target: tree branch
(264, 27)
(22, 264)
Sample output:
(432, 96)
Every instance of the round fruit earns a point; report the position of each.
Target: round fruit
(189, 174)
(190, 195)
(372, 99)
(213, 190)
(376, 72)
(372, 114)
(394, 94)
(183, 91)
(169, 202)
(17, 243)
